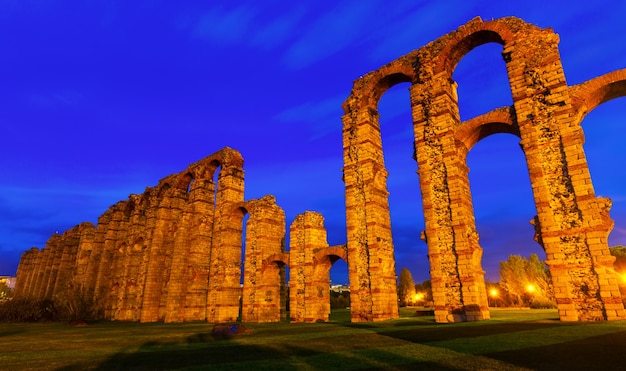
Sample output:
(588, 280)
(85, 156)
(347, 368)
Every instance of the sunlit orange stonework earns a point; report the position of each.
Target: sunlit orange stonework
(174, 252)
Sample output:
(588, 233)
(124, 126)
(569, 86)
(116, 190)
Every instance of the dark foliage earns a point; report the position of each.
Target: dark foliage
(27, 309)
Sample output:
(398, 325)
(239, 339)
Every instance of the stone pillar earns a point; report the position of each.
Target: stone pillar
(573, 224)
(96, 256)
(40, 265)
(25, 271)
(196, 286)
(453, 249)
(309, 291)
(262, 286)
(164, 226)
(184, 286)
(175, 308)
(67, 266)
(83, 256)
(371, 268)
(225, 262)
(53, 258)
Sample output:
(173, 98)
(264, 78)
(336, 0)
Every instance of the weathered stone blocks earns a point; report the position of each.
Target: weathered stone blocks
(174, 253)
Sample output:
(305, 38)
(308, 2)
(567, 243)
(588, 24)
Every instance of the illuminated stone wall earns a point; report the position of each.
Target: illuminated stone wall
(174, 253)
(572, 224)
(170, 254)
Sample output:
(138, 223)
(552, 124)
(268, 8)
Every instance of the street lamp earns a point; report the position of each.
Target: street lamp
(493, 293)
(417, 297)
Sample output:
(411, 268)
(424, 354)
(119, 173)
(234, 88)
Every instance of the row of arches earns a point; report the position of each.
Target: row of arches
(572, 224)
(174, 254)
(190, 228)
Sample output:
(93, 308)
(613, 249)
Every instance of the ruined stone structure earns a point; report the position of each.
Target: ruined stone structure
(572, 224)
(174, 253)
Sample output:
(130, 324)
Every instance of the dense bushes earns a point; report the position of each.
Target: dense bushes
(72, 305)
(339, 300)
(27, 309)
(541, 302)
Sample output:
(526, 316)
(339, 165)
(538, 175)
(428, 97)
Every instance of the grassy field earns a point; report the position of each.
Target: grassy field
(511, 340)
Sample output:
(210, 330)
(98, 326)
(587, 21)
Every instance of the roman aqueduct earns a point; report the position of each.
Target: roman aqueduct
(173, 253)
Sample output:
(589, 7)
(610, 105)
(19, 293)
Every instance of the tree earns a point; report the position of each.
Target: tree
(527, 281)
(619, 252)
(406, 287)
(425, 291)
(5, 291)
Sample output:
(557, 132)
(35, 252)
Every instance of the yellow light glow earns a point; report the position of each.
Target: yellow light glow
(493, 292)
(418, 296)
(530, 288)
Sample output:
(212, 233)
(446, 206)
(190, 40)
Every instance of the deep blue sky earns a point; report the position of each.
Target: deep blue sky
(99, 99)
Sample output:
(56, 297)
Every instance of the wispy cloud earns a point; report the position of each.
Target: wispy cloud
(333, 31)
(324, 114)
(277, 30)
(416, 28)
(225, 26)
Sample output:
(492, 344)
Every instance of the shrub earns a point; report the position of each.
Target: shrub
(76, 305)
(27, 309)
(72, 305)
(541, 302)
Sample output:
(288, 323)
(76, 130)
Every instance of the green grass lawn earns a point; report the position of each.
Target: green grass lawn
(512, 339)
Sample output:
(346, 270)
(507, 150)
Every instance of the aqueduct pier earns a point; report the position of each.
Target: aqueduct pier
(173, 253)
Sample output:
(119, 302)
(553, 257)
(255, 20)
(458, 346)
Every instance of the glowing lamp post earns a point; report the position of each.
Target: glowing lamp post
(493, 294)
(530, 289)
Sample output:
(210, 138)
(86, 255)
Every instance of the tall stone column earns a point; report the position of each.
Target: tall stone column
(572, 223)
(96, 256)
(225, 262)
(202, 198)
(453, 249)
(114, 236)
(262, 285)
(163, 226)
(371, 267)
(309, 292)
(67, 266)
(25, 271)
(55, 244)
(179, 271)
(83, 256)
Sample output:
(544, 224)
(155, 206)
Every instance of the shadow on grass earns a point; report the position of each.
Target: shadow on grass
(445, 332)
(602, 352)
(206, 352)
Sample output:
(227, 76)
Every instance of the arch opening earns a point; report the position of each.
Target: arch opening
(339, 289)
(483, 66)
(602, 127)
(503, 208)
(404, 197)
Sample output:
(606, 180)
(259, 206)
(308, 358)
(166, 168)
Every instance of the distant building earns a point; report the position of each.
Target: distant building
(340, 288)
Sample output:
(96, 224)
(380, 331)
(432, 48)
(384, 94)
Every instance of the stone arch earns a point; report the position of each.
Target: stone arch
(592, 93)
(472, 131)
(550, 137)
(319, 302)
(471, 35)
(185, 181)
(273, 293)
(330, 255)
